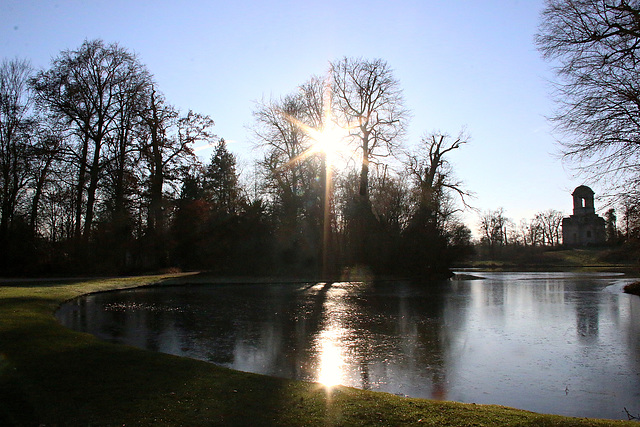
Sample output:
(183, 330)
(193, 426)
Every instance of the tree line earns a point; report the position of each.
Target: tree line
(98, 174)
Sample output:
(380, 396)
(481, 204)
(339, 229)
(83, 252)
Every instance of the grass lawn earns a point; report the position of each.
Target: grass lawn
(52, 376)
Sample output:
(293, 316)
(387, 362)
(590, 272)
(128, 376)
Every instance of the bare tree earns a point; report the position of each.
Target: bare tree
(157, 150)
(86, 88)
(630, 218)
(531, 233)
(285, 143)
(44, 159)
(391, 199)
(293, 176)
(494, 227)
(166, 143)
(434, 177)
(371, 104)
(15, 137)
(597, 45)
(549, 223)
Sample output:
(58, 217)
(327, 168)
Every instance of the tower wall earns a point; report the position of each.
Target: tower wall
(584, 227)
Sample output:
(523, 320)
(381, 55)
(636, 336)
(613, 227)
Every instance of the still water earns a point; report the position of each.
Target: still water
(563, 343)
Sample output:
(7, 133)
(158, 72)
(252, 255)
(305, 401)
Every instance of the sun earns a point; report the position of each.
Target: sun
(328, 137)
(330, 141)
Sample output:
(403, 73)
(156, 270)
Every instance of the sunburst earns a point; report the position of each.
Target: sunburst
(329, 139)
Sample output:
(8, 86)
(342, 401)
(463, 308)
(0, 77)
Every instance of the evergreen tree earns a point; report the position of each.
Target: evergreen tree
(221, 181)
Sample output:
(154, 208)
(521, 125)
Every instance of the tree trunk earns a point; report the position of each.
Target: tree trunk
(91, 192)
(364, 171)
(42, 178)
(80, 186)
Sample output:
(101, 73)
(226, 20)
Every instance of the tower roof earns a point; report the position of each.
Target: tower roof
(582, 190)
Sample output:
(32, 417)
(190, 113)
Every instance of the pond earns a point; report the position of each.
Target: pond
(562, 343)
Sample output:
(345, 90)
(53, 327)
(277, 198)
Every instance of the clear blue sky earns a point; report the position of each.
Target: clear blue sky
(461, 63)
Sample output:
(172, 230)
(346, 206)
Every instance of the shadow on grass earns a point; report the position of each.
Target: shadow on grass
(84, 382)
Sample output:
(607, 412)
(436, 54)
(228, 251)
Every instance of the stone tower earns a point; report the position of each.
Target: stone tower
(584, 227)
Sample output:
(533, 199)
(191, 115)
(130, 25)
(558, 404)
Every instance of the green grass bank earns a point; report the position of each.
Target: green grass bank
(52, 376)
(527, 258)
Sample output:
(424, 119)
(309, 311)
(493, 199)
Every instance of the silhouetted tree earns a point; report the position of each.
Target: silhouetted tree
(596, 45)
(630, 218)
(45, 157)
(165, 144)
(16, 138)
(530, 233)
(371, 106)
(101, 176)
(493, 225)
(190, 224)
(549, 223)
(221, 181)
(427, 234)
(221, 189)
(292, 176)
(86, 88)
(159, 152)
(434, 177)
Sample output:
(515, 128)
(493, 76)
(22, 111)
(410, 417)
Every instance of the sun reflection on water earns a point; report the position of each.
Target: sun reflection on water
(331, 366)
(330, 340)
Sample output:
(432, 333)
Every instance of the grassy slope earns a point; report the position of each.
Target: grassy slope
(53, 376)
(589, 259)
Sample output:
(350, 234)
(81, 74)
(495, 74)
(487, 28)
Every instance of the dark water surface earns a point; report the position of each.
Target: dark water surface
(562, 343)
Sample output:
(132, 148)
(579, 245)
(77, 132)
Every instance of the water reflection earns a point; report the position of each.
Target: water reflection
(587, 313)
(548, 342)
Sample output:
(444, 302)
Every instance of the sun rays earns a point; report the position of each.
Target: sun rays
(329, 139)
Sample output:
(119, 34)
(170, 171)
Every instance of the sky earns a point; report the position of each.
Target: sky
(462, 65)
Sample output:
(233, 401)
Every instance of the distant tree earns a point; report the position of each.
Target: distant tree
(459, 241)
(549, 223)
(597, 46)
(494, 226)
(531, 233)
(630, 218)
